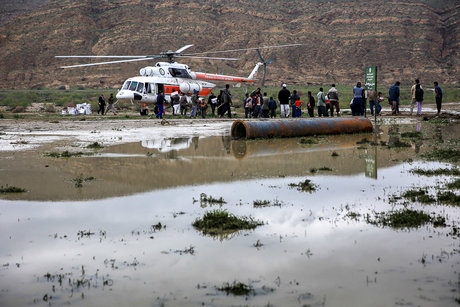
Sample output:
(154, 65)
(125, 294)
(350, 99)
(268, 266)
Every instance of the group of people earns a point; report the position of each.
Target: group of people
(417, 97)
(110, 106)
(257, 105)
(197, 105)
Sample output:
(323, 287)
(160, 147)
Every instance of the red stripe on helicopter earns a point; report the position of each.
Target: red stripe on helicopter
(169, 88)
(213, 77)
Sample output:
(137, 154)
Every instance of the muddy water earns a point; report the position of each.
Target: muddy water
(99, 247)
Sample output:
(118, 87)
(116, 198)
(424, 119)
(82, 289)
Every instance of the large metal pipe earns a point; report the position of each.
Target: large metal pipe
(299, 127)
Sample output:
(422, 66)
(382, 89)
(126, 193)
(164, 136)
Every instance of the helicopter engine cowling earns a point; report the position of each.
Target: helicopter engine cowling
(147, 71)
(188, 88)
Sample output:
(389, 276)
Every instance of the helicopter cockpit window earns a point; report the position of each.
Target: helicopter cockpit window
(133, 86)
(140, 87)
(126, 85)
(179, 73)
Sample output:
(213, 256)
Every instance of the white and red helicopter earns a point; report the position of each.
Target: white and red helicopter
(171, 76)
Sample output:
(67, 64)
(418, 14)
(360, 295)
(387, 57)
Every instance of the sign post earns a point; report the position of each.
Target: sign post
(370, 82)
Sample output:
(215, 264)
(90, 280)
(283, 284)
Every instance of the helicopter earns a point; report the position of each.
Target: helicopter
(169, 77)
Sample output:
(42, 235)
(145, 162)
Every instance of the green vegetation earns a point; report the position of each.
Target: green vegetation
(363, 141)
(305, 186)
(419, 195)
(261, 203)
(65, 154)
(218, 222)
(449, 198)
(237, 288)
(398, 144)
(95, 145)
(11, 189)
(405, 218)
(449, 154)
(411, 134)
(454, 185)
(308, 141)
(436, 172)
(79, 180)
(206, 200)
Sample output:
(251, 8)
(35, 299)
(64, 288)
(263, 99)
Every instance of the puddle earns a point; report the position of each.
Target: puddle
(126, 237)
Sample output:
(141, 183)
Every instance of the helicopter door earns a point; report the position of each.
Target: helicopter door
(160, 88)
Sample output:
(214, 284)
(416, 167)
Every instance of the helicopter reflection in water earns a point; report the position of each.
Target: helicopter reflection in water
(167, 144)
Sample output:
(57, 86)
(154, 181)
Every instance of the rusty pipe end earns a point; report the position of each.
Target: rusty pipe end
(239, 130)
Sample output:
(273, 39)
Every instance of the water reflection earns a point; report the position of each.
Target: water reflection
(143, 166)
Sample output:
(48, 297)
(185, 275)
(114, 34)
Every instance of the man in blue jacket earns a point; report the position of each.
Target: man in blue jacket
(394, 98)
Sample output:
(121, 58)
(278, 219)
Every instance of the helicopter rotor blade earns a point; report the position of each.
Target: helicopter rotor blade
(183, 48)
(260, 56)
(110, 62)
(265, 71)
(104, 56)
(208, 58)
(244, 49)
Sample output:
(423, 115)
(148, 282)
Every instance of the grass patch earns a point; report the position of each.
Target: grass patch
(209, 200)
(80, 179)
(363, 141)
(308, 141)
(405, 218)
(95, 145)
(449, 198)
(436, 172)
(398, 144)
(419, 195)
(454, 185)
(412, 134)
(304, 186)
(220, 222)
(65, 154)
(449, 154)
(11, 189)
(261, 203)
(236, 288)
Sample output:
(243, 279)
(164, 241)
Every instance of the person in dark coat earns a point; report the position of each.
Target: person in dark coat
(101, 104)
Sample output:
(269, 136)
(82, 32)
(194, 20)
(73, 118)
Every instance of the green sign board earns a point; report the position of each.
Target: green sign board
(370, 78)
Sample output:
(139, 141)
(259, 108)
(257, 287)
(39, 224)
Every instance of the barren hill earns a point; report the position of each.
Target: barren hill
(405, 39)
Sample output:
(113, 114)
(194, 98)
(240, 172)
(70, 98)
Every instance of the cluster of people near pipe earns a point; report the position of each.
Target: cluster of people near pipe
(258, 105)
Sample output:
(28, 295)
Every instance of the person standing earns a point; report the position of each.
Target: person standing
(283, 97)
(204, 107)
(175, 102)
(212, 101)
(413, 100)
(394, 98)
(257, 103)
(357, 106)
(272, 106)
(101, 104)
(183, 104)
(294, 97)
(372, 95)
(265, 106)
(110, 105)
(333, 96)
(194, 104)
(311, 105)
(160, 104)
(438, 96)
(321, 103)
(227, 101)
(247, 105)
(418, 98)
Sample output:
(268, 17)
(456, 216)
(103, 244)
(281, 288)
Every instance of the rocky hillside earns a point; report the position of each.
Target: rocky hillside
(405, 39)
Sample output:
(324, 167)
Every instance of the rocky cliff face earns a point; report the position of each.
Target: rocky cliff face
(405, 39)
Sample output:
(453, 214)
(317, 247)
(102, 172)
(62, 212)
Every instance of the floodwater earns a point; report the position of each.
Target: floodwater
(98, 245)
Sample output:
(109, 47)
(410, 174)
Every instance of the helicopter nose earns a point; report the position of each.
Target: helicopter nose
(125, 95)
